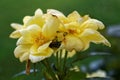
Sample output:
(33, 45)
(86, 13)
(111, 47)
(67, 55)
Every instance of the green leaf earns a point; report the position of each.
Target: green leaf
(83, 56)
(73, 75)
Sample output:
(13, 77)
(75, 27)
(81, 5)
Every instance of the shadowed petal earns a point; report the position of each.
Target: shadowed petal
(72, 43)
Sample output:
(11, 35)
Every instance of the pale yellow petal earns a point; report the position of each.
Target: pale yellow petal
(94, 36)
(43, 47)
(15, 34)
(38, 20)
(38, 56)
(51, 27)
(92, 24)
(16, 26)
(72, 43)
(72, 26)
(35, 59)
(24, 56)
(55, 12)
(74, 16)
(45, 51)
(24, 40)
(30, 31)
(26, 19)
(38, 12)
(20, 50)
(35, 29)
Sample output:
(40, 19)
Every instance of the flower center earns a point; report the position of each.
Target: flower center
(40, 39)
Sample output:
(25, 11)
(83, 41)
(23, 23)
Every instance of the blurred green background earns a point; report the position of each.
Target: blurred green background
(108, 11)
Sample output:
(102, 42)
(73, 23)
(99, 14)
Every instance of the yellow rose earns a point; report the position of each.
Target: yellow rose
(79, 31)
(36, 35)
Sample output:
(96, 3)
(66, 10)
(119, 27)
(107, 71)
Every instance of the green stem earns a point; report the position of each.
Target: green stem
(34, 68)
(57, 60)
(64, 63)
(49, 69)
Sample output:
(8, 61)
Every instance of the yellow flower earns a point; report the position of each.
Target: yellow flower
(36, 35)
(37, 19)
(79, 31)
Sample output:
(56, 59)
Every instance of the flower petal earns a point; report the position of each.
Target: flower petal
(26, 19)
(38, 20)
(15, 34)
(55, 12)
(94, 36)
(35, 59)
(20, 50)
(32, 29)
(38, 56)
(16, 26)
(24, 41)
(43, 50)
(72, 43)
(92, 24)
(43, 47)
(38, 12)
(51, 27)
(24, 56)
(74, 16)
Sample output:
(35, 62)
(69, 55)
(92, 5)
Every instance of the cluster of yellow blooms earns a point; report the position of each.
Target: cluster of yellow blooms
(42, 34)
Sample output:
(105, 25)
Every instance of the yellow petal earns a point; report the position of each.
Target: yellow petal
(26, 19)
(45, 50)
(35, 59)
(38, 20)
(36, 49)
(36, 56)
(15, 34)
(43, 47)
(92, 24)
(94, 36)
(24, 57)
(20, 50)
(51, 27)
(55, 12)
(74, 16)
(72, 43)
(58, 14)
(24, 40)
(38, 12)
(32, 29)
(16, 26)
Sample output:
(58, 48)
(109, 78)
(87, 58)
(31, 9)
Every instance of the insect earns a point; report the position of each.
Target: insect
(55, 44)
